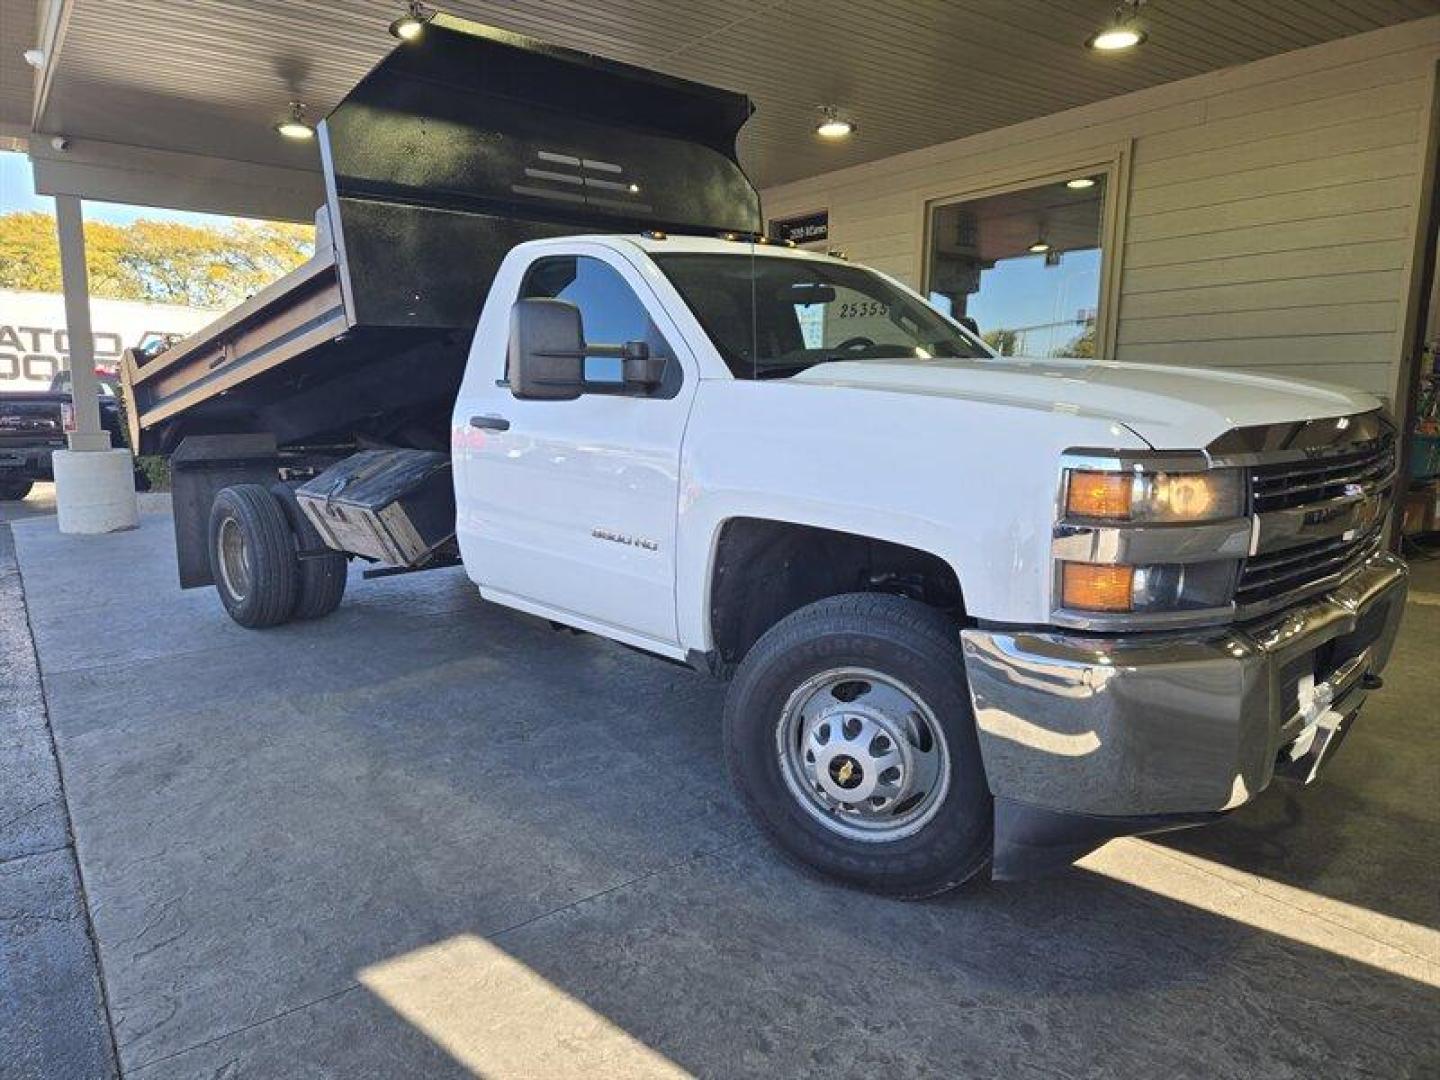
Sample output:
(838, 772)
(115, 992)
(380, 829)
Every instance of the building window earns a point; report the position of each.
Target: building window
(1024, 265)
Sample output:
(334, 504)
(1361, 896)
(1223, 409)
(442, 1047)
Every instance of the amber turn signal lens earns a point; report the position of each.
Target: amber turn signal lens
(1097, 588)
(1098, 495)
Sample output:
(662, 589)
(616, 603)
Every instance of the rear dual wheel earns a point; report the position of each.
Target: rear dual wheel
(321, 583)
(254, 559)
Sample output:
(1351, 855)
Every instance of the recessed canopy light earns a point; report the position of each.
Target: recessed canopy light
(1080, 183)
(1116, 39)
(412, 24)
(1121, 32)
(832, 125)
(295, 126)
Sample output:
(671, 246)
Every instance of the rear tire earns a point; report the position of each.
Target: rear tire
(15, 490)
(252, 556)
(321, 581)
(849, 732)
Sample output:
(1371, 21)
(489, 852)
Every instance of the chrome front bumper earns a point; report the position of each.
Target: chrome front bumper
(1162, 724)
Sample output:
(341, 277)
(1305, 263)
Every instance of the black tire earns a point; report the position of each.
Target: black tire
(321, 584)
(265, 573)
(15, 490)
(902, 640)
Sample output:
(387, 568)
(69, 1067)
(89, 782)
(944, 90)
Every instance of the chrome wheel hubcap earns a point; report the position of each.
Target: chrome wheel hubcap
(863, 754)
(234, 561)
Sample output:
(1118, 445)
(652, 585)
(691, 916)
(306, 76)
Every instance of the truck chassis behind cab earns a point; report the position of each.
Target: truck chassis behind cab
(958, 635)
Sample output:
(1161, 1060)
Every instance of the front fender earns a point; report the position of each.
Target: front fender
(973, 483)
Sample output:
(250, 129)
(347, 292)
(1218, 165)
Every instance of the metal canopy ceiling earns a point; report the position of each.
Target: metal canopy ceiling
(210, 77)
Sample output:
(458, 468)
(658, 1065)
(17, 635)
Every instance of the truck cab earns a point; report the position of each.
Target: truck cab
(816, 431)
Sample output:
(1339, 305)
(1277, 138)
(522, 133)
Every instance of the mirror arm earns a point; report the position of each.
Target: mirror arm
(627, 353)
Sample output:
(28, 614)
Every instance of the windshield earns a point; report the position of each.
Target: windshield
(771, 317)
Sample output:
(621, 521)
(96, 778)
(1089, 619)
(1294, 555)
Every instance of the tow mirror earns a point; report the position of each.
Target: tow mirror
(642, 370)
(546, 359)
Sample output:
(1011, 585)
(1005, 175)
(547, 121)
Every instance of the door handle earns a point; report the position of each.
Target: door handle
(491, 423)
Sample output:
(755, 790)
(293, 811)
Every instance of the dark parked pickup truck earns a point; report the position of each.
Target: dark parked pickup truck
(32, 427)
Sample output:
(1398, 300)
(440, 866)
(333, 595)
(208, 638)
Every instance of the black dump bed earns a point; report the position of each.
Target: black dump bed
(456, 147)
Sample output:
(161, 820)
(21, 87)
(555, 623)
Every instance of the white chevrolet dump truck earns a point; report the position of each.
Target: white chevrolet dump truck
(977, 613)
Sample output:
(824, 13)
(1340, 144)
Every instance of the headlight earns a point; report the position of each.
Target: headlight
(1144, 539)
(1155, 498)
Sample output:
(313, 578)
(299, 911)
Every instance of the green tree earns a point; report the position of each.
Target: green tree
(1003, 342)
(1082, 346)
(156, 261)
(29, 253)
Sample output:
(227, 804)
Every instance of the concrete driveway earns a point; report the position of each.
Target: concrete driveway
(427, 836)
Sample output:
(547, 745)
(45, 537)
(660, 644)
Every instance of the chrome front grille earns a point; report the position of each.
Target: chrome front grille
(1284, 486)
(1317, 520)
(1284, 572)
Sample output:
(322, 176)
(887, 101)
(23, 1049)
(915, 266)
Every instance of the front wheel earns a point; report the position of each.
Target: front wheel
(849, 732)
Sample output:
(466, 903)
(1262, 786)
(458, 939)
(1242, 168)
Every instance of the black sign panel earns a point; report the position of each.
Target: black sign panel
(807, 229)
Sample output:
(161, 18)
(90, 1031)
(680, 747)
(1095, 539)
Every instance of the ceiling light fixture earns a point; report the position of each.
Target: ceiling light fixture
(832, 125)
(1040, 246)
(1080, 183)
(1123, 31)
(412, 24)
(295, 125)
(35, 58)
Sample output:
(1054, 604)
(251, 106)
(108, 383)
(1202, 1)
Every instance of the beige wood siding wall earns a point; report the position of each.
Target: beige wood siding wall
(1271, 207)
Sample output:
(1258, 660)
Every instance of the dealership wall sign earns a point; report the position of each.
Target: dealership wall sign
(805, 229)
(35, 346)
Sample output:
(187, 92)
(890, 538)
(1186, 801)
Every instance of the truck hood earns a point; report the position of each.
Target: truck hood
(1171, 408)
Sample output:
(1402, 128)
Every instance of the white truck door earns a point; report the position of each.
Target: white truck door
(568, 508)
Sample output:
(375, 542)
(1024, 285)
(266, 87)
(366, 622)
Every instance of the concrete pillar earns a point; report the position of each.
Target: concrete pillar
(94, 483)
(84, 388)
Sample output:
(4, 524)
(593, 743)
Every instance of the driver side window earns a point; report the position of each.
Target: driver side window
(610, 312)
